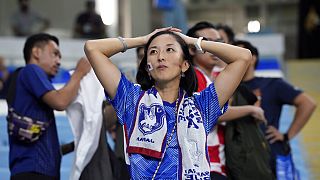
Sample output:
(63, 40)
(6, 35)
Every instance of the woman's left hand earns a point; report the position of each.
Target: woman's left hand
(187, 39)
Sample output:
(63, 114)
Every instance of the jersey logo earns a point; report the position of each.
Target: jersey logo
(190, 114)
(151, 118)
(194, 151)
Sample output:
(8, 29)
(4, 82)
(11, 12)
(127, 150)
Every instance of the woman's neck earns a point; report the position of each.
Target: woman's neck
(168, 92)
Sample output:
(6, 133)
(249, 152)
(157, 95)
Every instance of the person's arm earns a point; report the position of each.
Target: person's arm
(99, 52)
(235, 112)
(60, 99)
(238, 60)
(305, 106)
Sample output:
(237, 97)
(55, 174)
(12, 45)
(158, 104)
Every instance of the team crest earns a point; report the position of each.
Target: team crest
(151, 118)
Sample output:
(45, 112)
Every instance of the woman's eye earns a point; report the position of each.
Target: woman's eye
(170, 49)
(152, 51)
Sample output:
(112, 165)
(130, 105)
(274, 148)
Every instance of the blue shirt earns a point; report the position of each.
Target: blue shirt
(274, 92)
(42, 156)
(142, 167)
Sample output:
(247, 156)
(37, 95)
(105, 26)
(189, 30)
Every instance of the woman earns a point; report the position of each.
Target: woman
(166, 124)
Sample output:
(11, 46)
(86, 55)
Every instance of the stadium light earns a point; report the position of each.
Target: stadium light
(254, 26)
(108, 9)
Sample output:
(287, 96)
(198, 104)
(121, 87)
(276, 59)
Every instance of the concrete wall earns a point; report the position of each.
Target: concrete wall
(140, 16)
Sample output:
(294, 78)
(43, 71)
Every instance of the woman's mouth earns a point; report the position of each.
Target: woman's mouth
(161, 67)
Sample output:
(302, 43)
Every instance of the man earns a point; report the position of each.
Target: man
(203, 65)
(36, 98)
(26, 22)
(89, 24)
(226, 33)
(273, 93)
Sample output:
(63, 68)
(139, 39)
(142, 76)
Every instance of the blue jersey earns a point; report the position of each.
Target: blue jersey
(142, 167)
(42, 156)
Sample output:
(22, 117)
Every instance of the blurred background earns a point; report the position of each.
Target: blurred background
(286, 32)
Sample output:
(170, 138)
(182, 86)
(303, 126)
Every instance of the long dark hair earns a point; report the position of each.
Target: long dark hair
(188, 83)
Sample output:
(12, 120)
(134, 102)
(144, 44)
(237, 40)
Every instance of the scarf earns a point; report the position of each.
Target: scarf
(148, 136)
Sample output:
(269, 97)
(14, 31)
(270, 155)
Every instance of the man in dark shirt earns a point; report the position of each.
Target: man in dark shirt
(272, 94)
(89, 24)
(36, 98)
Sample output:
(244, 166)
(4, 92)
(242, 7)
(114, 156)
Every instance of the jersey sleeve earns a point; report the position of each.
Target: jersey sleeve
(286, 93)
(36, 80)
(125, 100)
(208, 104)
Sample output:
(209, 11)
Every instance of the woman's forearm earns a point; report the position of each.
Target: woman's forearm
(111, 46)
(235, 112)
(227, 53)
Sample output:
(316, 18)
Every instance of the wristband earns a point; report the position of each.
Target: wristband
(198, 45)
(124, 44)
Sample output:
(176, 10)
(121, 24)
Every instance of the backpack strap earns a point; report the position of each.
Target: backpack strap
(12, 87)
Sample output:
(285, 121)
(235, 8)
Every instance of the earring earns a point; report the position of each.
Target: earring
(183, 75)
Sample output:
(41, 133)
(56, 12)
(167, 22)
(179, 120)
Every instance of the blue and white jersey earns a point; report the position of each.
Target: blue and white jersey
(125, 104)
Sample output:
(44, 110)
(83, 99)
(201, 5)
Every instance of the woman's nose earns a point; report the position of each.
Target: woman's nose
(161, 56)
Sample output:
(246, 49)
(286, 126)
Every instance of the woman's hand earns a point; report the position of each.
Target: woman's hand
(187, 39)
(258, 114)
(148, 36)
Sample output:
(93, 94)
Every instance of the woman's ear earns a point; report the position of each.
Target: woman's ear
(185, 66)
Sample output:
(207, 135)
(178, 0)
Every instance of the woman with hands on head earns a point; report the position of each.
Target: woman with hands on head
(166, 123)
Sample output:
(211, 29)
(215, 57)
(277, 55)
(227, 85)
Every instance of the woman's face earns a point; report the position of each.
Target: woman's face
(165, 59)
